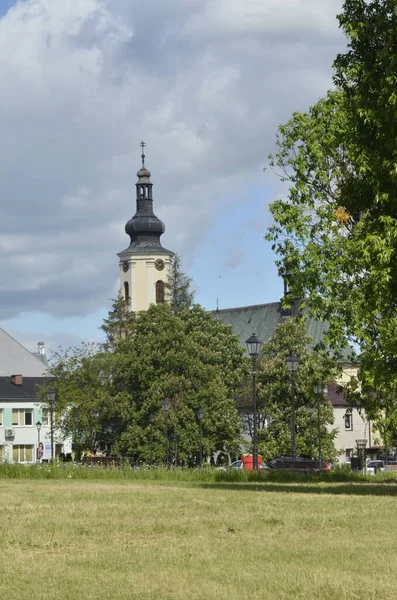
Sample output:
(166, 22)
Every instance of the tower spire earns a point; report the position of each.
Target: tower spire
(142, 145)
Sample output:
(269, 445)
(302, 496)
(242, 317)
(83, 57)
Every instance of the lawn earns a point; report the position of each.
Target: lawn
(81, 540)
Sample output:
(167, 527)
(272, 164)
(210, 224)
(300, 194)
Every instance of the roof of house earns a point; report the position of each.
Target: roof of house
(337, 395)
(15, 358)
(27, 391)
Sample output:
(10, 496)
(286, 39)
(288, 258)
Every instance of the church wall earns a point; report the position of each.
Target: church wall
(142, 276)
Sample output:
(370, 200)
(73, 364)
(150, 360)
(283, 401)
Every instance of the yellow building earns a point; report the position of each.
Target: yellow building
(145, 266)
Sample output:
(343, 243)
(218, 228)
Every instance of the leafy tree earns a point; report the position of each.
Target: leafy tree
(275, 394)
(179, 287)
(337, 229)
(194, 361)
(88, 405)
(107, 396)
(118, 323)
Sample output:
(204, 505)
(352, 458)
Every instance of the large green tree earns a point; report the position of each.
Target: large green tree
(107, 395)
(275, 394)
(336, 231)
(195, 362)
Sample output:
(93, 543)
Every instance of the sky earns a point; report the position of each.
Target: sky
(205, 83)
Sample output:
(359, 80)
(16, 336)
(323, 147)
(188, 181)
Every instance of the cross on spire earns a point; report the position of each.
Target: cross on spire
(142, 145)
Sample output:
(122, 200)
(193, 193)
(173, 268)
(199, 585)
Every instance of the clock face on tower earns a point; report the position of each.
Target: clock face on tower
(125, 266)
(159, 264)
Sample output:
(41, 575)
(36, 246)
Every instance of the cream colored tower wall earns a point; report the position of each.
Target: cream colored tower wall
(142, 276)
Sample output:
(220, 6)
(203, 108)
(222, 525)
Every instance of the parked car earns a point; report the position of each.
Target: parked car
(238, 464)
(303, 465)
(375, 466)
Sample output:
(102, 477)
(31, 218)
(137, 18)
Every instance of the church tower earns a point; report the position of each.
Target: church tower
(145, 266)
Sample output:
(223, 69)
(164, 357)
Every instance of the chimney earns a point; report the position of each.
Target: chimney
(16, 379)
(41, 348)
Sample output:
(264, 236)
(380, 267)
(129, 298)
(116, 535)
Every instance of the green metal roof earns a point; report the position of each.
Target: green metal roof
(262, 319)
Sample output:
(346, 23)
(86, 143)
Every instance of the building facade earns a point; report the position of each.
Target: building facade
(145, 266)
(25, 422)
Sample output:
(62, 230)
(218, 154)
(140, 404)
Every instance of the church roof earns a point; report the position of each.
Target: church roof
(144, 228)
(262, 319)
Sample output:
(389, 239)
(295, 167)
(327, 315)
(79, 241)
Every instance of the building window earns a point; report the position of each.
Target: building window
(22, 453)
(349, 420)
(126, 291)
(349, 454)
(160, 292)
(22, 417)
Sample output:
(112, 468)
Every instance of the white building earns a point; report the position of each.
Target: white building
(25, 431)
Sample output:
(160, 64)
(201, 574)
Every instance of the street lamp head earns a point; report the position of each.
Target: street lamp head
(151, 418)
(51, 395)
(253, 346)
(292, 363)
(38, 425)
(200, 414)
(166, 406)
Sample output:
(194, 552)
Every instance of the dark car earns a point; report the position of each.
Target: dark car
(303, 465)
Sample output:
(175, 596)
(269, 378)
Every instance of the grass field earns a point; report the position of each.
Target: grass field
(74, 539)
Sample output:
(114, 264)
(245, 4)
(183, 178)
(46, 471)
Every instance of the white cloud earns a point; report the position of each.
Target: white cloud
(204, 83)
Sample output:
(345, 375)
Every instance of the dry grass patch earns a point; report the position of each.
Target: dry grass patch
(113, 540)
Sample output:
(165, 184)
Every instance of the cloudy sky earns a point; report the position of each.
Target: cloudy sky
(205, 83)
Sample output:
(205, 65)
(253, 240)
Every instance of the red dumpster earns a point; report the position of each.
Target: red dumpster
(248, 461)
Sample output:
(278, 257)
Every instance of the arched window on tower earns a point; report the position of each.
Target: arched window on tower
(126, 292)
(160, 292)
(142, 192)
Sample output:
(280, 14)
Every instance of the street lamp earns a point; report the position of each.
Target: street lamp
(310, 412)
(253, 346)
(200, 416)
(151, 421)
(293, 365)
(361, 445)
(75, 426)
(320, 392)
(51, 395)
(166, 410)
(39, 451)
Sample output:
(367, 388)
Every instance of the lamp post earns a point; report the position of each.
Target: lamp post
(166, 410)
(39, 453)
(51, 395)
(75, 422)
(200, 416)
(293, 365)
(320, 391)
(253, 346)
(361, 445)
(311, 412)
(151, 421)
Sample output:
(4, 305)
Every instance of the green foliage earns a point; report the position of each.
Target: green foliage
(106, 396)
(118, 323)
(337, 229)
(179, 287)
(194, 361)
(275, 394)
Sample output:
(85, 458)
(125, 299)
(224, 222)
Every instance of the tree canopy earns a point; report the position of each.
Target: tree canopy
(190, 358)
(336, 231)
(275, 394)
